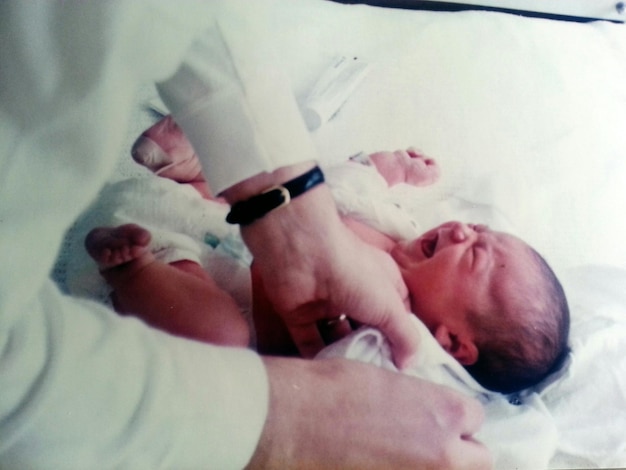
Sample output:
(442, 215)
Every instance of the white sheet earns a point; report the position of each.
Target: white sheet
(589, 404)
(527, 118)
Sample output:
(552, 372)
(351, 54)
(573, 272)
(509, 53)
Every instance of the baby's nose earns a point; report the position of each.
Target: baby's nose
(459, 232)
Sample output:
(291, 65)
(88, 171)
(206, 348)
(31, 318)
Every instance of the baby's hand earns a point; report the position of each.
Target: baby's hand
(406, 166)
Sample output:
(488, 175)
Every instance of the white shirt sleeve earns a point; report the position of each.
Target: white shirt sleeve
(81, 387)
(241, 85)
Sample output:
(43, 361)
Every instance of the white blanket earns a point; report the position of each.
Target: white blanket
(589, 403)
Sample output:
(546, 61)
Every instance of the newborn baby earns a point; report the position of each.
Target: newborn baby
(487, 297)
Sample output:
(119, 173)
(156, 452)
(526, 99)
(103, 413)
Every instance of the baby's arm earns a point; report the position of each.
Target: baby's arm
(405, 166)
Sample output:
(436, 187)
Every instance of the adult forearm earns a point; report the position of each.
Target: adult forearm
(344, 414)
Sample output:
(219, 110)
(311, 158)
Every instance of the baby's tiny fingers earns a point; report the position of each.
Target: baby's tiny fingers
(415, 152)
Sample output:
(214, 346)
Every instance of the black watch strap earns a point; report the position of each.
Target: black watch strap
(246, 212)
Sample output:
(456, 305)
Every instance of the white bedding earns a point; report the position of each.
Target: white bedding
(527, 119)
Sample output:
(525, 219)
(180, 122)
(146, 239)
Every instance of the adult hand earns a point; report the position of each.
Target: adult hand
(345, 414)
(314, 268)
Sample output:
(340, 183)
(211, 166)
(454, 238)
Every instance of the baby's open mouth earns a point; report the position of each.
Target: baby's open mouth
(429, 245)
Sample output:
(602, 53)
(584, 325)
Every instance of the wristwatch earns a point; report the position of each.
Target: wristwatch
(246, 212)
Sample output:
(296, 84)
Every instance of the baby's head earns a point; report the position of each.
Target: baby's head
(490, 300)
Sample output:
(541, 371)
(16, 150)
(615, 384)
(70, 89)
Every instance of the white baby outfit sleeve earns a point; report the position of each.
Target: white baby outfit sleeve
(81, 387)
(361, 193)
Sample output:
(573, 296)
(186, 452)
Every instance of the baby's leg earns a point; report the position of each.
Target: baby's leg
(164, 149)
(180, 298)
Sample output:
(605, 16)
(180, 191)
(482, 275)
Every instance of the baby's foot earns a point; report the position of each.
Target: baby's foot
(406, 166)
(113, 247)
(165, 150)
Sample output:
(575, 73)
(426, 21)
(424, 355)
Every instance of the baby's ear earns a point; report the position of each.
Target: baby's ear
(459, 346)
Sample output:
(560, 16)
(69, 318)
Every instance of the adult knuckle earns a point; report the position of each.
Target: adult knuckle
(454, 412)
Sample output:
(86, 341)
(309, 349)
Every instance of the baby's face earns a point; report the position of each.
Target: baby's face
(456, 268)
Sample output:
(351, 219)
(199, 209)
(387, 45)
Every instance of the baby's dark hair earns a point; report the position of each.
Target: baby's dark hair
(518, 349)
